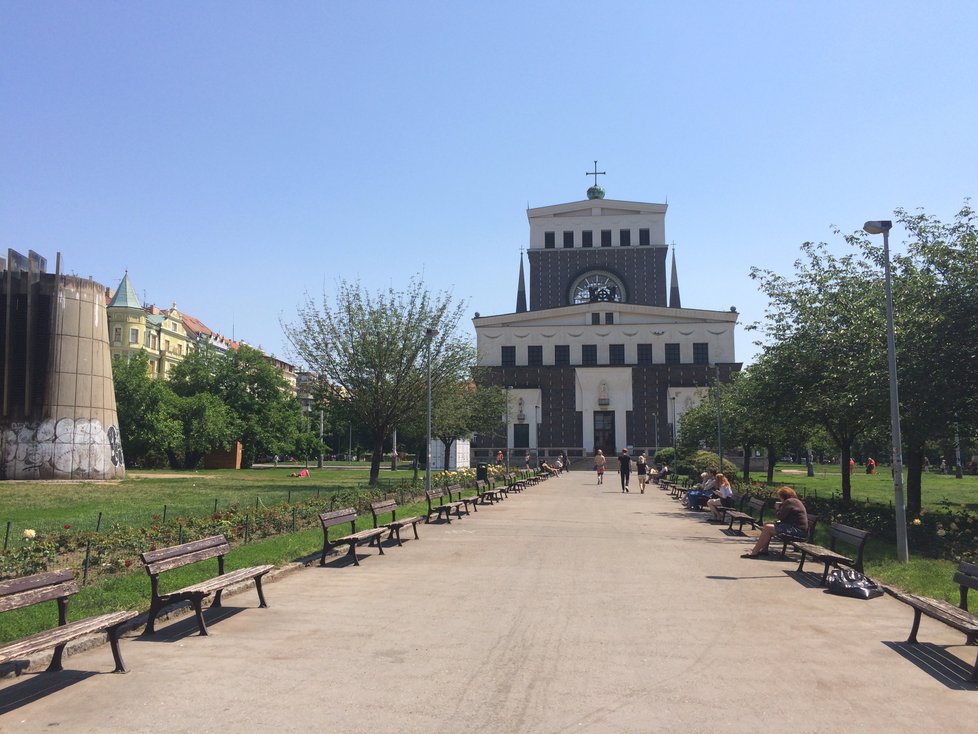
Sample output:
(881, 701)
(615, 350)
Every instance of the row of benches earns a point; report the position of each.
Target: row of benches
(751, 510)
(60, 586)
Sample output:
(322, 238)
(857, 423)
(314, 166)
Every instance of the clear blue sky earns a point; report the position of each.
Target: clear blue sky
(233, 156)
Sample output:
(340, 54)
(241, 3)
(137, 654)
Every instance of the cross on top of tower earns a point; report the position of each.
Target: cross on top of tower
(595, 192)
(595, 173)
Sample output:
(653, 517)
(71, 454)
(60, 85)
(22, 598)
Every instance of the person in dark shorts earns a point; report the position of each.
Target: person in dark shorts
(624, 468)
(792, 520)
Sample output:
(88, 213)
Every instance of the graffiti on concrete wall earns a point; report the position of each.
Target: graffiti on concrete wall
(62, 448)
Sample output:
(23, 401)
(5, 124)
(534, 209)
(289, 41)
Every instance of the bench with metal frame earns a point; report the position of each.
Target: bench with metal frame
(382, 507)
(838, 533)
(754, 505)
(176, 556)
(445, 507)
(56, 586)
(371, 536)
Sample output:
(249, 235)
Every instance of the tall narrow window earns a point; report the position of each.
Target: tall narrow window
(589, 354)
(117, 335)
(616, 354)
(534, 356)
(645, 354)
(549, 240)
(609, 318)
(568, 240)
(606, 238)
(701, 353)
(625, 237)
(562, 354)
(643, 237)
(595, 319)
(672, 354)
(587, 238)
(509, 357)
(134, 336)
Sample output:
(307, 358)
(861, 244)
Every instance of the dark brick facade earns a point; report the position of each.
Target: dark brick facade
(561, 425)
(642, 269)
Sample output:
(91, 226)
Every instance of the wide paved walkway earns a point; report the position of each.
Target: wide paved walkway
(569, 608)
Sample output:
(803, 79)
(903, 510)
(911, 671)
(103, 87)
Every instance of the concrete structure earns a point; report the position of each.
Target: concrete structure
(58, 416)
(459, 453)
(605, 356)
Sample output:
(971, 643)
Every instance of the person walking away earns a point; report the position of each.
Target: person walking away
(624, 468)
(599, 462)
(852, 466)
(499, 457)
(563, 458)
(642, 469)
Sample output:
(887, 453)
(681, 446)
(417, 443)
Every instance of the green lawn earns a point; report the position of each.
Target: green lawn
(938, 491)
(48, 506)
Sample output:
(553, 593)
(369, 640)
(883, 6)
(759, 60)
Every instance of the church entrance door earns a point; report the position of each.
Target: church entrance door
(604, 431)
(521, 435)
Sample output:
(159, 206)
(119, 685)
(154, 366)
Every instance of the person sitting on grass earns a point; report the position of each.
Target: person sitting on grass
(303, 473)
(792, 520)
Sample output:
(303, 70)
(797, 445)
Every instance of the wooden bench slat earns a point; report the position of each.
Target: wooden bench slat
(47, 639)
(174, 551)
(36, 595)
(223, 581)
(173, 562)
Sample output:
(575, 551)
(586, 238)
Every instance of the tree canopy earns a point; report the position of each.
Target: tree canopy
(370, 353)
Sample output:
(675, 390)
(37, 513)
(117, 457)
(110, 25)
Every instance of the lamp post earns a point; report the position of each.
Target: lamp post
(719, 437)
(883, 227)
(675, 428)
(508, 388)
(429, 335)
(536, 427)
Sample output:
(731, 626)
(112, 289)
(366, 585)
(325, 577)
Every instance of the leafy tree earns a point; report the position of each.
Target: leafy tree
(371, 354)
(144, 405)
(207, 424)
(828, 325)
(463, 408)
(265, 412)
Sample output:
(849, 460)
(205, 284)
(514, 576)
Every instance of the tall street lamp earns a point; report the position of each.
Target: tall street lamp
(675, 428)
(508, 388)
(719, 436)
(883, 227)
(429, 335)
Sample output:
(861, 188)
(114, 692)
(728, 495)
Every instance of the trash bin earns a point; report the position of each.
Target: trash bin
(482, 471)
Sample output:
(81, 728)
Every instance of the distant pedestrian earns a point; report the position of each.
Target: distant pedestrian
(943, 466)
(526, 462)
(642, 469)
(599, 462)
(563, 458)
(624, 468)
(499, 457)
(852, 466)
(870, 465)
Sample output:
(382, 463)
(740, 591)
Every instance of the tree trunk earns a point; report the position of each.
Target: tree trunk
(171, 457)
(376, 456)
(915, 466)
(771, 462)
(845, 453)
(748, 450)
(448, 446)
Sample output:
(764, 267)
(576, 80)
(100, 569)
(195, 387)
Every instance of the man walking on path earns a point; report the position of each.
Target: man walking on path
(624, 468)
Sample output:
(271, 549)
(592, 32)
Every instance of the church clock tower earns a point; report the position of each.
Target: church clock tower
(603, 356)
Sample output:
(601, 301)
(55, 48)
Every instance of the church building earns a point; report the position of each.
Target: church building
(600, 353)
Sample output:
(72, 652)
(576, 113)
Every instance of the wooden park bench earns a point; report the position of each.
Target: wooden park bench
(737, 502)
(371, 536)
(486, 494)
(838, 533)
(455, 495)
(785, 540)
(753, 513)
(957, 617)
(514, 483)
(444, 508)
(48, 586)
(177, 556)
(382, 507)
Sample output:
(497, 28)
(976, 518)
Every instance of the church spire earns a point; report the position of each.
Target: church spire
(521, 290)
(674, 301)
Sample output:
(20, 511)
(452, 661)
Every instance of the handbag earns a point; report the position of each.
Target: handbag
(849, 582)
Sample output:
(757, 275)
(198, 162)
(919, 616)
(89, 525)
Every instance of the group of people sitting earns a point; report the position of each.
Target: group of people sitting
(715, 491)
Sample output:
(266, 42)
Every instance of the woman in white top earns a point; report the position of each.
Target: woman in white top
(724, 500)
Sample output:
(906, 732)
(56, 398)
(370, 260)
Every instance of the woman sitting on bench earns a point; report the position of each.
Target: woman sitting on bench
(792, 520)
(724, 500)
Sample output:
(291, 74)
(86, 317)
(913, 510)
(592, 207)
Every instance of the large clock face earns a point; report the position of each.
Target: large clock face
(597, 287)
